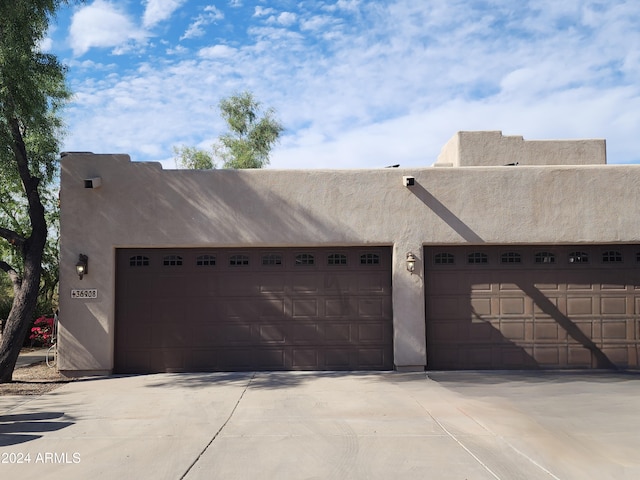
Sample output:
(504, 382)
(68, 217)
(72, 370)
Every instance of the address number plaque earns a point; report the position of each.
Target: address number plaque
(84, 293)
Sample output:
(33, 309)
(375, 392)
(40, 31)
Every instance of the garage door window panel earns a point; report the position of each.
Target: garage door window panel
(370, 259)
(511, 258)
(444, 258)
(172, 261)
(239, 260)
(272, 260)
(544, 258)
(138, 261)
(579, 258)
(205, 261)
(337, 259)
(611, 256)
(478, 258)
(304, 260)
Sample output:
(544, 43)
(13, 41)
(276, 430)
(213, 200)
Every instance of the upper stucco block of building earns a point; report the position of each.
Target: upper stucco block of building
(491, 148)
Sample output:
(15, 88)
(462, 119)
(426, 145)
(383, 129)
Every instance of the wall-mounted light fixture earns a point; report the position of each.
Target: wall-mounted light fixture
(411, 262)
(82, 265)
(95, 182)
(408, 181)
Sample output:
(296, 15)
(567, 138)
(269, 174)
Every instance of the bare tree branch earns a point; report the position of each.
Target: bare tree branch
(12, 237)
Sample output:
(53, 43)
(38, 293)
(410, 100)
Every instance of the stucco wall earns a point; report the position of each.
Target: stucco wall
(485, 149)
(140, 205)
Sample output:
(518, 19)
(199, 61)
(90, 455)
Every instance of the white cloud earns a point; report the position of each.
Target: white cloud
(178, 50)
(318, 22)
(102, 24)
(262, 12)
(214, 12)
(287, 18)
(197, 27)
(217, 51)
(349, 5)
(89, 66)
(157, 11)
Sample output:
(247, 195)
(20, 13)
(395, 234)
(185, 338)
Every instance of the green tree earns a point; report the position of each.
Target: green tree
(32, 91)
(14, 213)
(252, 133)
(193, 158)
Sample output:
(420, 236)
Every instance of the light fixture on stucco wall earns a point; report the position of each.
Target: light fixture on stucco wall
(82, 265)
(411, 262)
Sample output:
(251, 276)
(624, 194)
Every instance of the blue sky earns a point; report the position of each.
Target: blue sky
(356, 83)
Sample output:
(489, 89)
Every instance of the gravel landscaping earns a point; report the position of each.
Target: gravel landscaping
(34, 379)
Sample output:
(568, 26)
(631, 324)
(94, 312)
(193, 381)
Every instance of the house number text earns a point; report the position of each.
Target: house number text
(85, 293)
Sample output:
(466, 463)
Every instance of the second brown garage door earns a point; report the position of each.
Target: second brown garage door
(512, 307)
(267, 309)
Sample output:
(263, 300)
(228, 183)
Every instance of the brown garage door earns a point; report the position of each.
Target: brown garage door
(532, 307)
(267, 309)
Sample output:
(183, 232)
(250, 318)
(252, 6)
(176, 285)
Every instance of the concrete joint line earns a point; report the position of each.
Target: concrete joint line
(220, 429)
(491, 432)
(454, 438)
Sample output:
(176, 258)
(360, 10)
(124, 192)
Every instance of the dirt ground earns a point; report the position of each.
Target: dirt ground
(34, 380)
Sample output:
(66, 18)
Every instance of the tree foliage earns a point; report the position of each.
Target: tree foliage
(252, 133)
(32, 92)
(193, 158)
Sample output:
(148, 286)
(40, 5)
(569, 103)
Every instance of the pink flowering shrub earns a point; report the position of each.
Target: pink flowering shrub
(42, 332)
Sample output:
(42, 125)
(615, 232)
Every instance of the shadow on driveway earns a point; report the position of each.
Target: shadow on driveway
(21, 428)
(472, 378)
(259, 380)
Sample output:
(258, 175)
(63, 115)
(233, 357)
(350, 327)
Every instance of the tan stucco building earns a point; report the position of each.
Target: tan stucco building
(524, 254)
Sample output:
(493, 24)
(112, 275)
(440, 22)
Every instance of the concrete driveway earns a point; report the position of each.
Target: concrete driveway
(327, 426)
